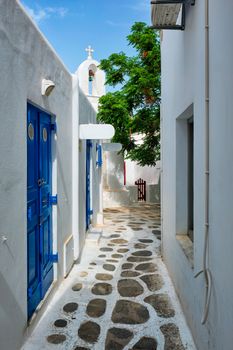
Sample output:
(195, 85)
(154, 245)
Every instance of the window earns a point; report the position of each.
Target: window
(185, 181)
(190, 177)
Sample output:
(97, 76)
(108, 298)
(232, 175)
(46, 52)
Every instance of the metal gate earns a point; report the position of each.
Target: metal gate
(141, 189)
(39, 206)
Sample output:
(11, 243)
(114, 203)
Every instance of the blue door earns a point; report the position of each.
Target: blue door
(39, 212)
(88, 183)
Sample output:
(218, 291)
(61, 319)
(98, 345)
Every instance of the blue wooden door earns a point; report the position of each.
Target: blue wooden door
(45, 190)
(88, 183)
(33, 236)
(39, 213)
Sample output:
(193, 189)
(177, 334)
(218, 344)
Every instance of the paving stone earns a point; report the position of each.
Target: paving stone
(119, 241)
(122, 250)
(60, 323)
(142, 253)
(137, 228)
(80, 348)
(154, 282)
(117, 338)
(129, 288)
(140, 246)
(162, 305)
(138, 259)
(127, 266)
(146, 240)
(103, 276)
(130, 274)
(106, 249)
(115, 235)
(109, 267)
(112, 260)
(102, 289)
(145, 343)
(172, 337)
(56, 338)
(70, 307)
(117, 256)
(83, 273)
(102, 256)
(147, 267)
(93, 264)
(89, 331)
(96, 307)
(77, 287)
(111, 245)
(156, 232)
(129, 312)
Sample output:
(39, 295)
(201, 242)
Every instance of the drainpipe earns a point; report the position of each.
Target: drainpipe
(205, 270)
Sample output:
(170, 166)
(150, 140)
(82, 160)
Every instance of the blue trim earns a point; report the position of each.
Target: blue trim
(89, 145)
(54, 258)
(99, 162)
(52, 200)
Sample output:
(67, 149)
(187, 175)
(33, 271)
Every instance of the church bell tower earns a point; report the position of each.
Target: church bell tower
(91, 79)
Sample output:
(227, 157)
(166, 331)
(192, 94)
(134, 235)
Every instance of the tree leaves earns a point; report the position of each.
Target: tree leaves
(135, 108)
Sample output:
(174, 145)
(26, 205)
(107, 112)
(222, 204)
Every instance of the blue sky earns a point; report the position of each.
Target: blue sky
(72, 25)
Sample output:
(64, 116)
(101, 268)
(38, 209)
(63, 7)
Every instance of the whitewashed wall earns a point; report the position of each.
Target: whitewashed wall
(25, 58)
(87, 114)
(150, 174)
(183, 84)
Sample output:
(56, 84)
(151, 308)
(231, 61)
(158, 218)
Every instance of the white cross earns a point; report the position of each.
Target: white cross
(90, 51)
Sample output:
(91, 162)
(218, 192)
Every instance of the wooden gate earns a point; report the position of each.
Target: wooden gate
(141, 189)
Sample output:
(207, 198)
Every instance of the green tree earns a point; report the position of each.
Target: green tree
(135, 108)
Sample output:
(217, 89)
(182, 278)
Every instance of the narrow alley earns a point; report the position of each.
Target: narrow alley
(120, 296)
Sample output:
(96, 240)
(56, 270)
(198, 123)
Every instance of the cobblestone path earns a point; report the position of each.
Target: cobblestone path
(120, 295)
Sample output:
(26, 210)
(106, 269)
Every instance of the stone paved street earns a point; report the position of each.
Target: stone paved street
(120, 295)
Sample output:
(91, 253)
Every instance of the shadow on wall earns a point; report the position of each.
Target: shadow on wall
(115, 175)
(62, 176)
(11, 313)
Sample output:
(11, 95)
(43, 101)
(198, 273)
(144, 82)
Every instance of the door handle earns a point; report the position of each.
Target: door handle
(45, 201)
(41, 182)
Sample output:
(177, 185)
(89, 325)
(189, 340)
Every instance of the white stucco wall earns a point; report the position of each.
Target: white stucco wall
(26, 58)
(113, 170)
(87, 114)
(147, 173)
(183, 84)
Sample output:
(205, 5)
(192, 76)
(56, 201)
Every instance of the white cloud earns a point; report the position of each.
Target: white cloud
(39, 14)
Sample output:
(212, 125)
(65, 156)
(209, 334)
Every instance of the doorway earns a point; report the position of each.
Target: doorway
(39, 206)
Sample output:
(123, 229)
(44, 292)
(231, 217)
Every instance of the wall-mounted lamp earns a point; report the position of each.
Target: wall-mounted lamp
(47, 87)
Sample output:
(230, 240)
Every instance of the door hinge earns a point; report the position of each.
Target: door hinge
(29, 213)
(29, 293)
(53, 200)
(53, 258)
(54, 127)
(90, 212)
(89, 143)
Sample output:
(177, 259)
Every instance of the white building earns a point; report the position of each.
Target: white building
(49, 191)
(197, 166)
